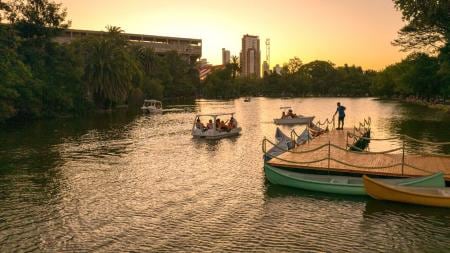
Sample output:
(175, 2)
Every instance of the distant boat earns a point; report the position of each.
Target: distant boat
(347, 185)
(437, 197)
(152, 106)
(213, 132)
(247, 99)
(297, 120)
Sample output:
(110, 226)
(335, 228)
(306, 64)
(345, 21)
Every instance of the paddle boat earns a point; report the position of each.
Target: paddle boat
(152, 106)
(437, 197)
(289, 118)
(211, 130)
(348, 185)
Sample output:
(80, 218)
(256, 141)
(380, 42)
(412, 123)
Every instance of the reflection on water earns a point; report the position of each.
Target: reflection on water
(131, 182)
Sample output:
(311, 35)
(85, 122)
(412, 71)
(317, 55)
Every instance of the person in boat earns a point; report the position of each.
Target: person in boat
(232, 123)
(341, 115)
(217, 124)
(291, 114)
(199, 124)
(209, 125)
(223, 126)
(283, 115)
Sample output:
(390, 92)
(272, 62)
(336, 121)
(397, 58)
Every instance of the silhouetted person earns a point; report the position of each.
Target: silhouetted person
(341, 115)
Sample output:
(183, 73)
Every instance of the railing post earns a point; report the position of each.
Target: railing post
(329, 154)
(346, 139)
(403, 156)
(307, 130)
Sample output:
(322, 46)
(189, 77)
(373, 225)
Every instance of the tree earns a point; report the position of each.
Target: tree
(109, 69)
(235, 66)
(428, 24)
(293, 66)
(37, 19)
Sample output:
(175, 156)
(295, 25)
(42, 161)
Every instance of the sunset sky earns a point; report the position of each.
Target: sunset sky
(343, 31)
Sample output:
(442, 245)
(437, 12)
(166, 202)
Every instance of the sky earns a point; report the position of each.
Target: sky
(354, 32)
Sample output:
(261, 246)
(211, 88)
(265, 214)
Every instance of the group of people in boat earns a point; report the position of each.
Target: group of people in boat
(289, 115)
(220, 124)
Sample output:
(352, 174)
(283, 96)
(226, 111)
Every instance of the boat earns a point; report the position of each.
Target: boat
(152, 106)
(213, 132)
(297, 120)
(283, 144)
(426, 196)
(247, 99)
(348, 185)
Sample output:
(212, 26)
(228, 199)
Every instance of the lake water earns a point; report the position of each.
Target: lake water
(131, 182)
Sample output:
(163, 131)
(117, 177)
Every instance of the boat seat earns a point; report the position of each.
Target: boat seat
(339, 181)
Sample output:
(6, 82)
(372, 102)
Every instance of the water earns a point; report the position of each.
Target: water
(127, 182)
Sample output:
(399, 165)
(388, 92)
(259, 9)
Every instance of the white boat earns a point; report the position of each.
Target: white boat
(152, 106)
(296, 120)
(247, 99)
(213, 132)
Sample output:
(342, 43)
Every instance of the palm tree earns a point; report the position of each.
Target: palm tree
(109, 70)
(235, 66)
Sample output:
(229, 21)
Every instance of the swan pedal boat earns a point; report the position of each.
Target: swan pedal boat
(152, 106)
(436, 197)
(298, 120)
(347, 185)
(214, 133)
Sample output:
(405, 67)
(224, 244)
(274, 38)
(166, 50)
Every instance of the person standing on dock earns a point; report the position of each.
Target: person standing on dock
(341, 110)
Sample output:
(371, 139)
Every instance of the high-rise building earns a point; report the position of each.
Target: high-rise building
(250, 56)
(225, 56)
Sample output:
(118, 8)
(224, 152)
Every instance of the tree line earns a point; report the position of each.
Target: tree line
(317, 78)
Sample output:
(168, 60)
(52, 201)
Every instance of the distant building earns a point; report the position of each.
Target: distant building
(205, 69)
(225, 56)
(190, 49)
(266, 68)
(250, 56)
(277, 69)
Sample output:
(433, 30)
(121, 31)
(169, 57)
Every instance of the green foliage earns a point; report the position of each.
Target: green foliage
(109, 70)
(318, 78)
(427, 24)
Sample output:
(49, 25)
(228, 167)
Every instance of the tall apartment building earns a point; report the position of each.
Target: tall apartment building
(225, 56)
(250, 56)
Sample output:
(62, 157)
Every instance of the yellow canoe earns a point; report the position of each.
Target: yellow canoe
(427, 196)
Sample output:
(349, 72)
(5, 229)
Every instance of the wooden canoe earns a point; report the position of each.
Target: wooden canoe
(347, 185)
(438, 197)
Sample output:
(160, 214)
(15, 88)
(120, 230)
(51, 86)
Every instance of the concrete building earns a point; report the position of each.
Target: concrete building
(191, 49)
(225, 56)
(277, 69)
(250, 56)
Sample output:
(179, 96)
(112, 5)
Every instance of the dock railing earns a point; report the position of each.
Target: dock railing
(358, 133)
(314, 129)
(329, 157)
(363, 129)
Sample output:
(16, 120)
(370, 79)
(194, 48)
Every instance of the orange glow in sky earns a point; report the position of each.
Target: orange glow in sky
(343, 31)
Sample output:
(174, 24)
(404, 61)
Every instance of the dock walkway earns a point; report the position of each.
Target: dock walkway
(330, 155)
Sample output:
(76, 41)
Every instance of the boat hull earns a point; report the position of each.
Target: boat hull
(294, 121)
(214, 135)
(438, 197)
(346, 185)
(151, 110)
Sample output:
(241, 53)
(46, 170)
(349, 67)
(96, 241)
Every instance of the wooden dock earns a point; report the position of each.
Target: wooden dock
(332, 159)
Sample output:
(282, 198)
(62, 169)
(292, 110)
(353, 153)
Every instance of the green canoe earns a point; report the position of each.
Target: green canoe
(341, 184)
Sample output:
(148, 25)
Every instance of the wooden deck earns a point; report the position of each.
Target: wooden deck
(359, 160)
